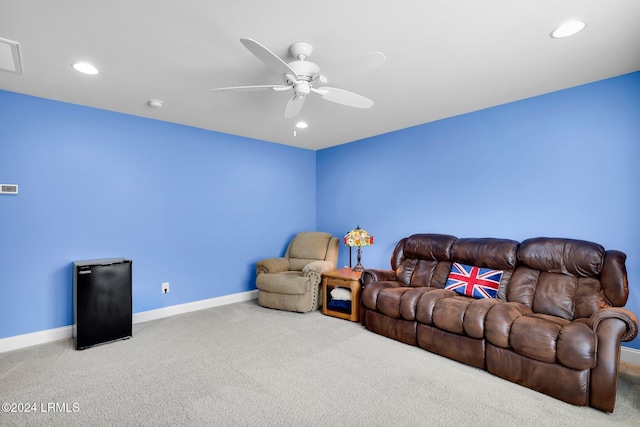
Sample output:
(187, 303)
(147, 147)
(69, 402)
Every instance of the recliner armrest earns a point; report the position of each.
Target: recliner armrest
(272, 265)
(317, 267)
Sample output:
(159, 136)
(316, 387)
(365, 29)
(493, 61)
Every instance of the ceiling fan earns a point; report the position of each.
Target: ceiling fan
(304, 77)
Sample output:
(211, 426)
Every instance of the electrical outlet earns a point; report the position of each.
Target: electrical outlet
(165, 287)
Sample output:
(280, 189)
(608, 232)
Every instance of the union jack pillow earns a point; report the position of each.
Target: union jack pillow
(472, 281)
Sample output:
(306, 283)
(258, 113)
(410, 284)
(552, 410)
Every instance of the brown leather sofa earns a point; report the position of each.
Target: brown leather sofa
(555, 325)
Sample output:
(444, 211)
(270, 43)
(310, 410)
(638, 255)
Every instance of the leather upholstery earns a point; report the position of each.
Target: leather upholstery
(556, 325)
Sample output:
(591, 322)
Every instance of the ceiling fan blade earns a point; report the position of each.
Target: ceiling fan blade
(352, 66)
(255, 87)
(344, 97)
(294, 105)
(268, 57)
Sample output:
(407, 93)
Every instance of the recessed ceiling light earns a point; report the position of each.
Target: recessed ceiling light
(85, 67)
(302, 125)
(567, 29)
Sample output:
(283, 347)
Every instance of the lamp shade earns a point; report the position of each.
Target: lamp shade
(358, 237)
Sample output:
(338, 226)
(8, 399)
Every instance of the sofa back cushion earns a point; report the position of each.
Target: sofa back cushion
(423, 259)
(559, 277)
(498, 254)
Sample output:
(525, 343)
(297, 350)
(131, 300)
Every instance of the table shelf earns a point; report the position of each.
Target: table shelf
(342, 278)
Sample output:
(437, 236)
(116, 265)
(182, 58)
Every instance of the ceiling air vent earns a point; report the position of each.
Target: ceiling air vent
(10, 56)
(8, 189)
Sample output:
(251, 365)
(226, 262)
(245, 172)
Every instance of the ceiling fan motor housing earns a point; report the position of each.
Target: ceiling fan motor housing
(305, 70)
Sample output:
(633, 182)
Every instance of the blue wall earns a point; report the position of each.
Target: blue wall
(563, 164)
(192, 207)
(199, 208)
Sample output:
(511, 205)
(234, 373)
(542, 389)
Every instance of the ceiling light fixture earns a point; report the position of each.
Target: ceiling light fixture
(567, 29)
(302, 125)
(85, 67)
(155, 103)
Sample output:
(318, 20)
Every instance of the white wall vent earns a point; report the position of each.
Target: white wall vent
(8, 189)
(10, 56)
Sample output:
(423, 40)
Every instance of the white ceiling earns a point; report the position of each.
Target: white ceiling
(444, 57)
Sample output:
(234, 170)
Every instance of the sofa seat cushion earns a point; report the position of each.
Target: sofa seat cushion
(427, 303)
(393, 298)
(288, 282)
(553, 339)
(462, 315)
(400, 303)
(541, 337)
(370, 293)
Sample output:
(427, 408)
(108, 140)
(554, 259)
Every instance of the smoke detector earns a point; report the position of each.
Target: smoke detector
(155, 103)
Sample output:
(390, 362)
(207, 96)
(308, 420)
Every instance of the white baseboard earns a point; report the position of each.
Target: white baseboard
(627, 354)
(40, 337)
(159, 313)
(630, 355)
(66, 332)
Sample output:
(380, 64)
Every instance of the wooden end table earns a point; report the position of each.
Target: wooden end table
(342, 278)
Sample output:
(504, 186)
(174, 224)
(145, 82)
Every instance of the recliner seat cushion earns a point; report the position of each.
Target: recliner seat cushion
(288, 282)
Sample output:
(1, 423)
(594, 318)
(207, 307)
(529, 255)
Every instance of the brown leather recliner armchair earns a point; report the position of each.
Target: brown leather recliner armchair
(292, 282)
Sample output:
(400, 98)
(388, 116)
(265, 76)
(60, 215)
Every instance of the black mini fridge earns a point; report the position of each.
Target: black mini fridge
(102, 306)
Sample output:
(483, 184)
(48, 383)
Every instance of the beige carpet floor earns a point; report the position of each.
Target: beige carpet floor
(244, 365)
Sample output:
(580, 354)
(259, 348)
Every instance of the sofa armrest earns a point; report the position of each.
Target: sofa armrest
(272, 265)
(611, 326)
(627, 317)
(375, 275)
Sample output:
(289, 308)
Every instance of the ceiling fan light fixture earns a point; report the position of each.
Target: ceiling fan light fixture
(568, 28)
(85, 68)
